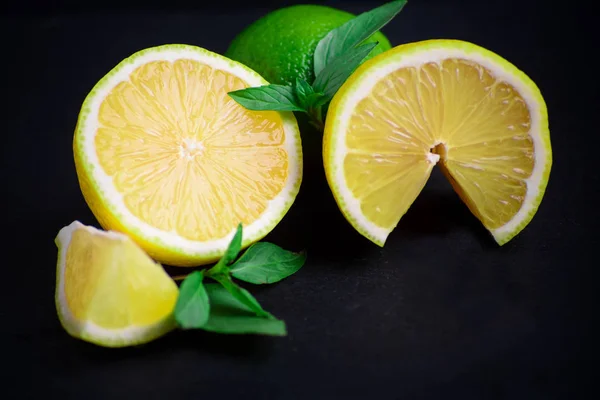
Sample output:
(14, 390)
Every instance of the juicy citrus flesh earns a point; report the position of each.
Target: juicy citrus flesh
(165, 155)
(110, 291)
(481, 123)
(186, 157)
(280, 45)
(453, 110)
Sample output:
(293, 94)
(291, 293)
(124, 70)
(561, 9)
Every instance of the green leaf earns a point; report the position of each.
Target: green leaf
(319, 100)
(303, 89)
(268, 97)
(242, 295)
(192, 307)
(229, 315)
(335, 74)
(235, 245)
(266, 263)
(307, 97)
(342, 39)
(306, 94)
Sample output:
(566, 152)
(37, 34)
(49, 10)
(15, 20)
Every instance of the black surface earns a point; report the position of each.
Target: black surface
(440, 312)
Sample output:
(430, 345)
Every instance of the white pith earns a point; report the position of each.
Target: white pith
(393, 62)
(114, 200)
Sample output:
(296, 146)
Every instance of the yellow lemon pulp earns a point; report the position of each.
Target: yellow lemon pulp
(437, 101)
(186, 157)
(109, 291)
(477, 124)
(164, 154)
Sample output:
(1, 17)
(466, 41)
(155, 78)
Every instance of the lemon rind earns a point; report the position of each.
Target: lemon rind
(369, 73)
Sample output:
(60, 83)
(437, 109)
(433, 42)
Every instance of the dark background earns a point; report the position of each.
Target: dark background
(440, 312)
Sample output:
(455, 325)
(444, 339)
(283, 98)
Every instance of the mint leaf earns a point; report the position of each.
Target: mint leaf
(234, 247)
(303, 89)
(242, 295)
(192, 307)
(318, 99)
(307, 97)
(229, 315)
(335, 73)
(342, 39)
(266, 263)
(268, 97)
(230, 254)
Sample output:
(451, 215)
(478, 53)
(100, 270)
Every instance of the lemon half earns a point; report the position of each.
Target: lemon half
(164, 155)
(445, 102)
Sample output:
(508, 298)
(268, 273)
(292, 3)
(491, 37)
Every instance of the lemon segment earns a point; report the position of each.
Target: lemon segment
(166, 156)
(109, 292)
(442, 101)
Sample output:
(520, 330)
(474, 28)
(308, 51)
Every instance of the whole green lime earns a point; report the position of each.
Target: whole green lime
(280, 45)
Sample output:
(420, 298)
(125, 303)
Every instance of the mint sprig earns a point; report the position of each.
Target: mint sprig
(336, 57)
(307, 97)
(225, 307)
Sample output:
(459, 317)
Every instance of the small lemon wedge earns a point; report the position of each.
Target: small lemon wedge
(109, 291)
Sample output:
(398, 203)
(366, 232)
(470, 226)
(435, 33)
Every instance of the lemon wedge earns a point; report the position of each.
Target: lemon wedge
(109, 291)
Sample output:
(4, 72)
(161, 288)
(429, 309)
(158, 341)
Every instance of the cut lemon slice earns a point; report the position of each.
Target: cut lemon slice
(444, 101)
(108, 291)
(165, 155)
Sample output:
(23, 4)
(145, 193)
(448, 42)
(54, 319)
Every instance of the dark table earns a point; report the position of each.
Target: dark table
(440, 312)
